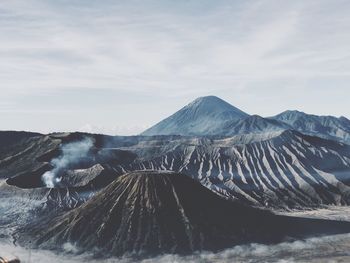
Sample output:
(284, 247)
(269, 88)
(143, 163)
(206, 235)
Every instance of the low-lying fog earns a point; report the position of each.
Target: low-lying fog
(322, 249)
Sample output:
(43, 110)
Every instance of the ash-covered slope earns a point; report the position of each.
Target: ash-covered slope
(281, 169)
(20, 151)
(8, 138)
(322, 126)
(153, 213)
(204, 116)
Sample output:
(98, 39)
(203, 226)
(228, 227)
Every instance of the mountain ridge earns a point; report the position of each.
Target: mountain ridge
(212, 116)
(203, 116)
(325, 126)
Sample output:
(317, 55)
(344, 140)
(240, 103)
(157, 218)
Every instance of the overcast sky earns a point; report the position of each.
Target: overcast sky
(120, 66)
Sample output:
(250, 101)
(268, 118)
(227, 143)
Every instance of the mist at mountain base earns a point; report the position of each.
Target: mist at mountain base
(322, 249)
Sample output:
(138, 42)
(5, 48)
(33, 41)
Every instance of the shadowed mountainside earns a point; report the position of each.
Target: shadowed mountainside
(148, 213)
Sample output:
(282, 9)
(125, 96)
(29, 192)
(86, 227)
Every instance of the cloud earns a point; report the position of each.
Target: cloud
(248, 52)
(309, 250)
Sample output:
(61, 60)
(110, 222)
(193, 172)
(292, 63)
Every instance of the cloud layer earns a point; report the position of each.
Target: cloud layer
(66, 65)
(323, 249)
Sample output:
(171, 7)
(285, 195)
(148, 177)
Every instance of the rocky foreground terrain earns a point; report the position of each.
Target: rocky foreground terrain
(66, 186)
(150, 213)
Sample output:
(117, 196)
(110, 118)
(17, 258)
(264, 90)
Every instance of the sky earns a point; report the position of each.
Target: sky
(118, 67)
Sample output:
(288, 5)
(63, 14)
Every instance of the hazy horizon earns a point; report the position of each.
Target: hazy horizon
(119, 67)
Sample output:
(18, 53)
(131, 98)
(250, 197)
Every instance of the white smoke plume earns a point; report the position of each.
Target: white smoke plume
(71, 153)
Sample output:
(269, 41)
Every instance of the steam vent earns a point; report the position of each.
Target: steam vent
(150, 213)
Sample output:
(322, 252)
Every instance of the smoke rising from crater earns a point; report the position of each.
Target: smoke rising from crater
(71, 153)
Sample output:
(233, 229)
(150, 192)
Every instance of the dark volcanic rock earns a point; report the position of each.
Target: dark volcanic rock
(147, 213)
(8, 138)
(30, 179)
(21, 156)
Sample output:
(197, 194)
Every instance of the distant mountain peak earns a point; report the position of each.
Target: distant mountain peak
(203, 116)
(292, 112)
(210, 115)
(209, 99)
(329, 127)
(213, 105)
